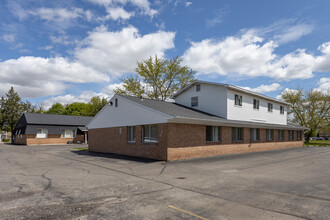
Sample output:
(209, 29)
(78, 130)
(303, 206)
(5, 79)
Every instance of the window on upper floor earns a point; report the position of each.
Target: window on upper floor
(237, 134)
(238, 100)
(254, 134)
(194, 101)
(270, 107)
(198, 87)
(213, 133)
(255, 104)
(282, 110)
(269, 134)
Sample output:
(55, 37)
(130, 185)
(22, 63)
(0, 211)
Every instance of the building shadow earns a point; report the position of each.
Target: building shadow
(114, 156)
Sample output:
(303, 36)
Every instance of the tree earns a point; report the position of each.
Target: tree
(95, 105)
(309, 108)
(157, 78)
(56, 109)
(76, 108)
(12, 108)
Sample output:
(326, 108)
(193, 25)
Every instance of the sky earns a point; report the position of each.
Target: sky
(67, 51)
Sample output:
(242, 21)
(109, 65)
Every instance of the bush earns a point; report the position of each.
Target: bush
(6, 140)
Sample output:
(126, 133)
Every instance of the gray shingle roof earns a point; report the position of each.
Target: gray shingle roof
(49, 119)
(179, 111)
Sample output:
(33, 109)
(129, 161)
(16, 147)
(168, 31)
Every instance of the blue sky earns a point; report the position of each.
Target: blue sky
(66, 51)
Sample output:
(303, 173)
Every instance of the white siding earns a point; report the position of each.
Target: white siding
(126, 114)
(211, 99)
(247, 113)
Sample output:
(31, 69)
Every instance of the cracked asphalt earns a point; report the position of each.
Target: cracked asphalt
(54, 182)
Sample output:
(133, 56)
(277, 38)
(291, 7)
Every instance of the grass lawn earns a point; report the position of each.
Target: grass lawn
(80, 149)
(317, 143)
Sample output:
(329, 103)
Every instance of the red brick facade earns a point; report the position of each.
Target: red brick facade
(31, 139)
(183, 141)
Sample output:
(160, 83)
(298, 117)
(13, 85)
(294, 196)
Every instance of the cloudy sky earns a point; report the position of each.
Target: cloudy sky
(66, 51)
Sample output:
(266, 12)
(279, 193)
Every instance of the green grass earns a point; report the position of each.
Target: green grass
(80, 149)
(318, 143)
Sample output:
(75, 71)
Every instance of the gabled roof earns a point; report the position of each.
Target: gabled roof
(236, 88)
(183, 114)
(50, 119)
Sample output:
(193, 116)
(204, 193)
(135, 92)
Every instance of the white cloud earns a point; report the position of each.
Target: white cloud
(117, 52)
(40, 77)
(68, 99)
(285, 91)
(142, 5)
(324, 84)
(264, 88)
(293, 33)
(250, 55)
(118, 13)
(188, 3)
(218, 17)
(109, 89)
(8, 37)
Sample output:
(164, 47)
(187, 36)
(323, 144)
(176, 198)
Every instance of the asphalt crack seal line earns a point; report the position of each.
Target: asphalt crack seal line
(182, 188)
(187, 212)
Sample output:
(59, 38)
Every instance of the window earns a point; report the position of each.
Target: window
(270, 107)
(213, 133)
(255, 104)
(269, 134)
(282, 110)
(68, 133)
(280, 135)
(198, 87)
(42, 133)
(298, 135)
(237, 134)
(116, 102)
(131, 134)
(254, 134)
(149, 134)
(238, 100)
(290, 135)
(194, 101)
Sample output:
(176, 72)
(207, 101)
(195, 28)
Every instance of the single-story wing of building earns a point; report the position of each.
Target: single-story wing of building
(34, 128)
(206, 119)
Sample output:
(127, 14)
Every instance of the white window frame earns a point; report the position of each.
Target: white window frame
(269, 134)
(43, 133)
(254, 134)
(256, 104)
(270, 107)
(194, 101)
(131, 134)
(147, 137)
(65, 133)
(198, 87)
(236, 134)
(238, 100)
(215, 133)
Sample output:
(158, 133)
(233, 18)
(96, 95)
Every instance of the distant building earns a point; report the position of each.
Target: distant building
(206, 119)
(33, 128)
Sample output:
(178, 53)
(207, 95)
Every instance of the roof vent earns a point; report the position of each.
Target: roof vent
(110, 103)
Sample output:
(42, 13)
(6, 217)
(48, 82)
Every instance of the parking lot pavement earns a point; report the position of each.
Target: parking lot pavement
(55, 182)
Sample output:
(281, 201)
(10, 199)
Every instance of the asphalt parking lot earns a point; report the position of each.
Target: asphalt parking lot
(54, 182)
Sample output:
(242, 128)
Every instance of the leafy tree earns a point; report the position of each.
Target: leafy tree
(309, 108)
(157, 78)
(95, 105)
(56, 109)
(12, 108)
(76, 108)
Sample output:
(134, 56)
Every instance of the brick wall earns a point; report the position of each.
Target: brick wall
(114, 140)
(182, 141)
(189, 141)
(31, 139)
